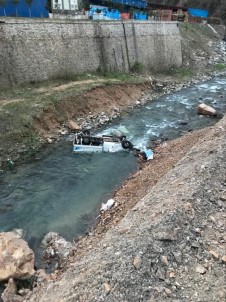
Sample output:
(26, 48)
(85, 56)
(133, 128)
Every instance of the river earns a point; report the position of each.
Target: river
(63, 192)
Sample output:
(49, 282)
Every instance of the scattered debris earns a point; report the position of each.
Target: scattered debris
(108, 205)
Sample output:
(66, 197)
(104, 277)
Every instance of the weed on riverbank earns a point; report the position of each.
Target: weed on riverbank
(219, 67)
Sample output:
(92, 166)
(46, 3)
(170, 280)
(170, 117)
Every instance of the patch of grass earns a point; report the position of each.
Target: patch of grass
(43, 92)
(120, 76)
(138, 67)
(219, 67)
(184, 72)
(196, 29)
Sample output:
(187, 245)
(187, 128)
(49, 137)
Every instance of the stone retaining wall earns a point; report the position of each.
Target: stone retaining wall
(41, 50)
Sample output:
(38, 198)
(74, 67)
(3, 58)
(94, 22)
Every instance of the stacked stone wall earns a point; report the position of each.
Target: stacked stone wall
(42, 50)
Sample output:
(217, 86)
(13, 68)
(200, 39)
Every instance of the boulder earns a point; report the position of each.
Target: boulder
(16, 258)
(57, 246)
(73, 126)
(204, 109)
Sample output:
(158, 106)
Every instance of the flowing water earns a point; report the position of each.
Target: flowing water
(63, 192)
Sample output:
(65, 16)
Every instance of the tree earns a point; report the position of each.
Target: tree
(29, 3)
(3, 4)
(48, 6)
(16, 2)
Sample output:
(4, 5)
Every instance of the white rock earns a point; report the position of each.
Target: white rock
(200, 269)
(49, 140)
(204, 109)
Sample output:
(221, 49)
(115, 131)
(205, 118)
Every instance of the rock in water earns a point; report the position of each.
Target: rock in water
(56, 246)
(16, 258)
(204, 109)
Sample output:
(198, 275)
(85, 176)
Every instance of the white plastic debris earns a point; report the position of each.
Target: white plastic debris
(108, 205)
(123, 130)
(120, 131)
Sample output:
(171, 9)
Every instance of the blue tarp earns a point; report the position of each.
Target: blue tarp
(37, 9)
(195, 12)
(140, 16)
(113, 14)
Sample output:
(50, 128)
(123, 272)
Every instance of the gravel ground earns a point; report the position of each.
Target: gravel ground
(171, 246)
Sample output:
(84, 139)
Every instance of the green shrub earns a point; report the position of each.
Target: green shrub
(137, 67)
(183, 72)
(219, 66)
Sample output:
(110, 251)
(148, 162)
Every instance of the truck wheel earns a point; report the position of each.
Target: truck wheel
(86, 140)
(126, 144)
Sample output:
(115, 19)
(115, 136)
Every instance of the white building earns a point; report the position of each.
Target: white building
(65, 5)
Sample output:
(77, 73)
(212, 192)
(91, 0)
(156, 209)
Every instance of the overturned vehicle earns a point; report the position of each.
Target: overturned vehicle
(85, 142)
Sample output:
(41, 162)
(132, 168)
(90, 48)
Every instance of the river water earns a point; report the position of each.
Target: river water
(63, 192)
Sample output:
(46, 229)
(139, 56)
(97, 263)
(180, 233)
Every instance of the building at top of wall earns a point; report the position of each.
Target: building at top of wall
(64, 6)
(37, 9)
(198, 15)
